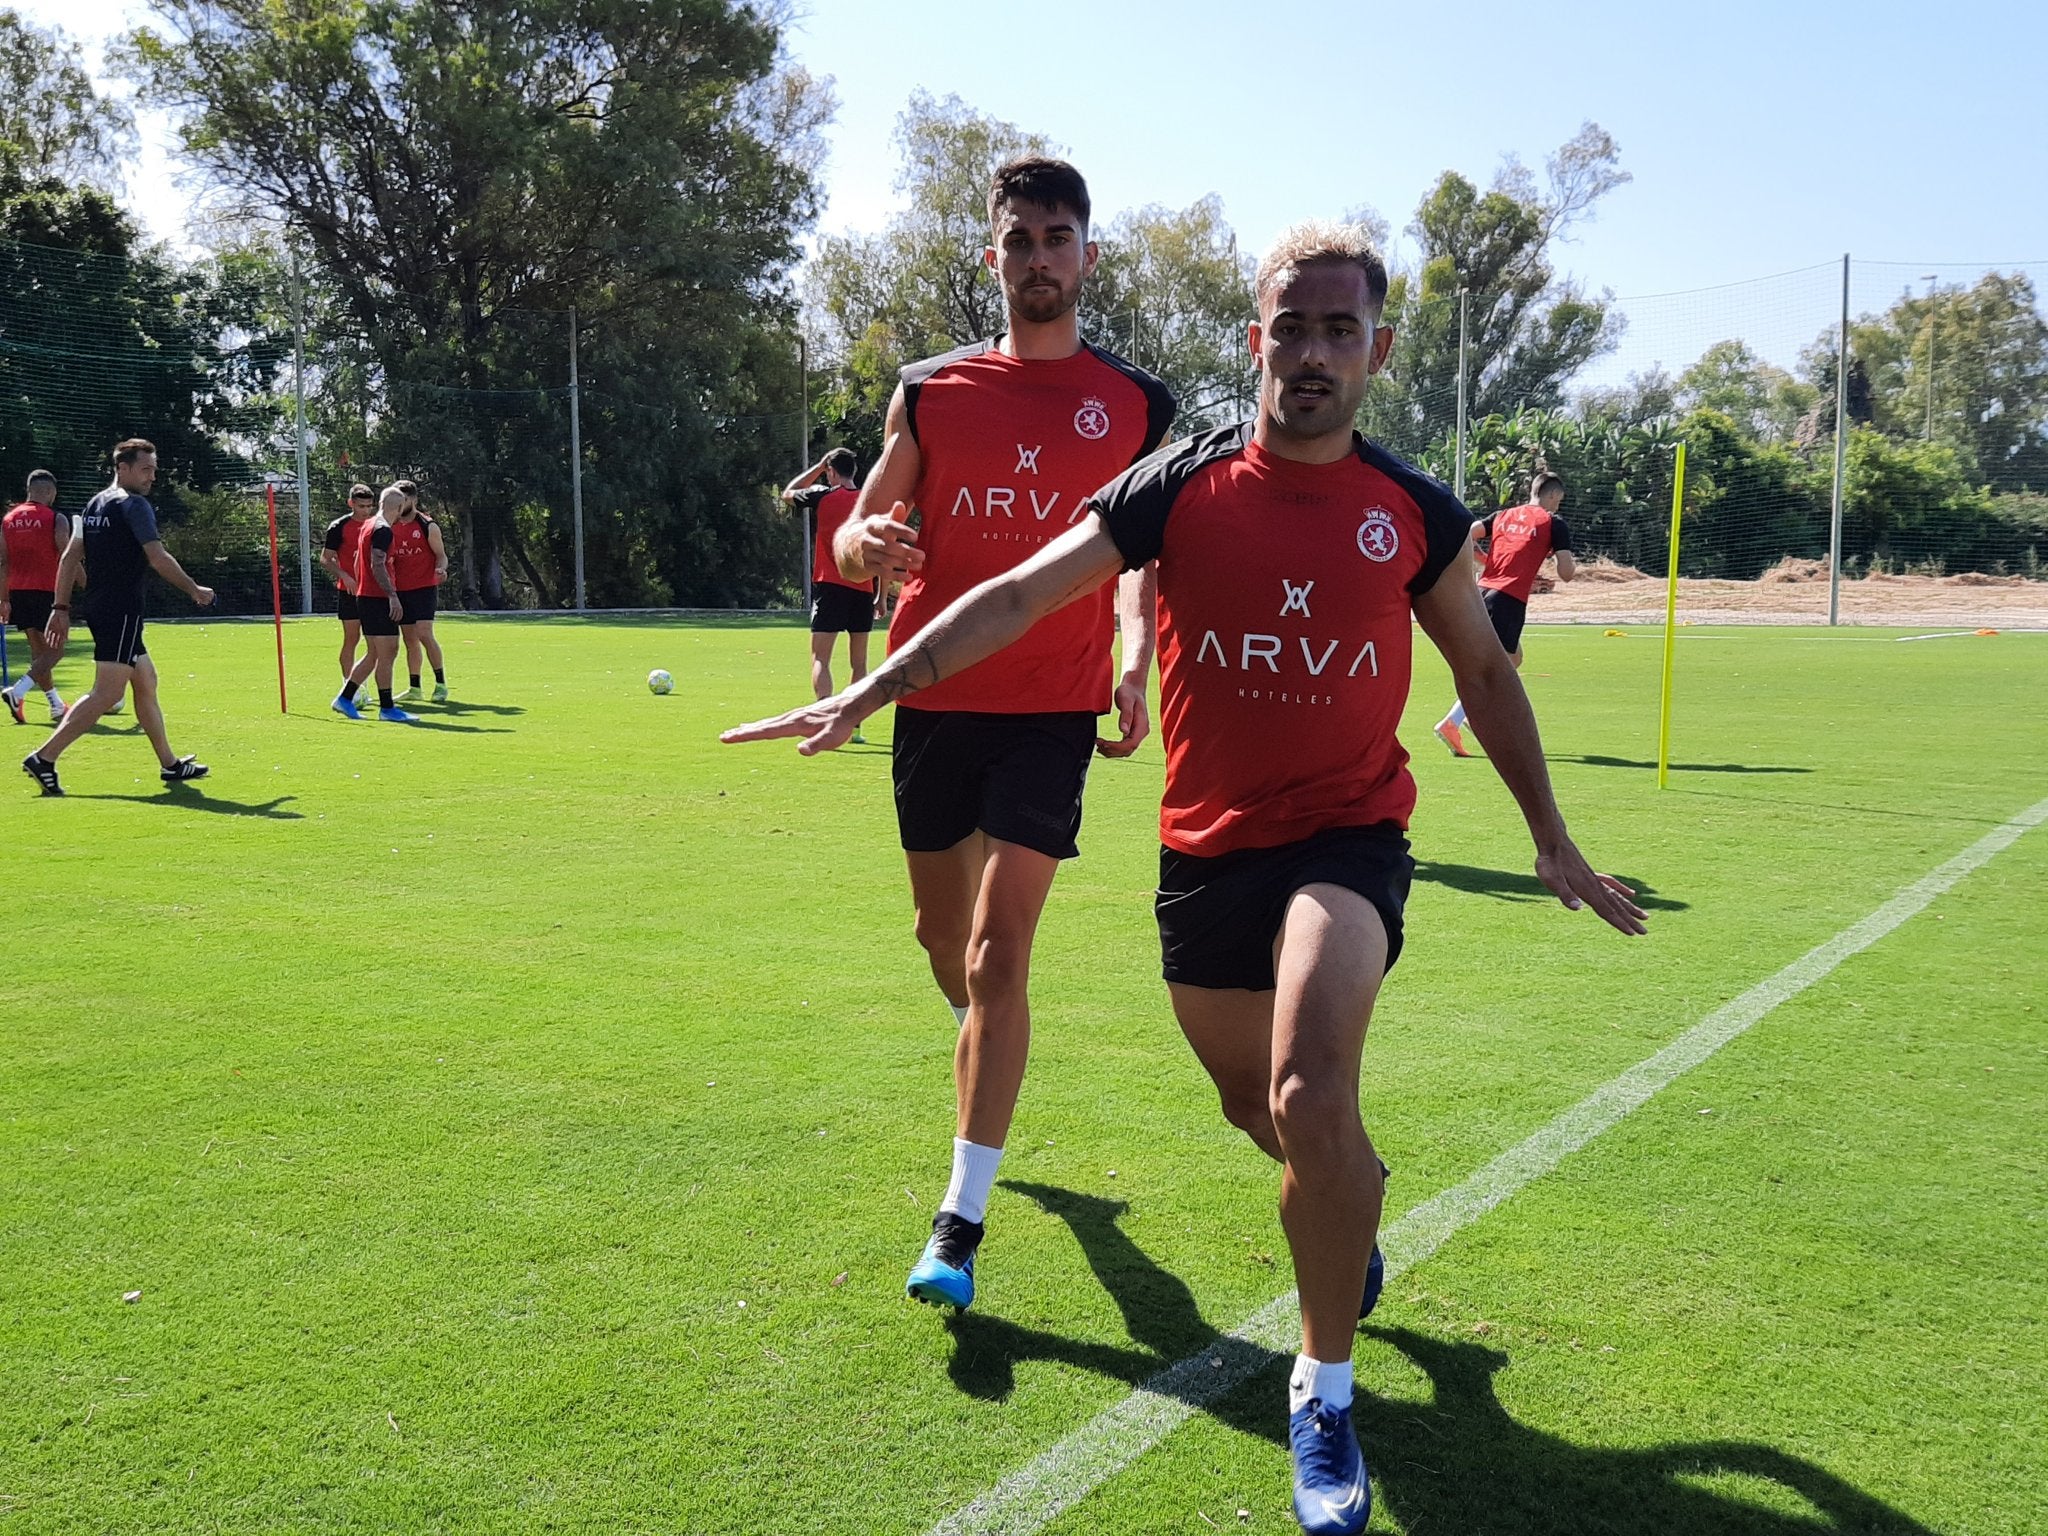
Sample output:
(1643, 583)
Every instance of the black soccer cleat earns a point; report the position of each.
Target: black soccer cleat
(944, 1273)
(43, 773)
(14, 708)
(184, 770)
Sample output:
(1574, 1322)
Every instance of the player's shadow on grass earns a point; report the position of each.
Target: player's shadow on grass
(1595, 760)
(1462, 1463)
(1511, 885)
(185, 797)
(465, 707)
(422, 723)
(1158, 1309)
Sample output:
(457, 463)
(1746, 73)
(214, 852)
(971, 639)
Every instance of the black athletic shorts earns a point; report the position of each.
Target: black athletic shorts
(29, 612)
(375, 614)
(1015, 777)
(1508, 615)
(116, 637)
(1219, 916)
(418, 605)
(346, 607)
(841, 610)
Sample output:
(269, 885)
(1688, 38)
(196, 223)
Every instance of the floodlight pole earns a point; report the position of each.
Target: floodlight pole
(1841, 456)
(299, 421)
(1458, 472)
(576, 457)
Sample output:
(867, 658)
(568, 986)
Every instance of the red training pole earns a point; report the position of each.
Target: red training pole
(276, 595)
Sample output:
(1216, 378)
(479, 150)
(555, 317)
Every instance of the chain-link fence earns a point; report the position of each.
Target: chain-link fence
(576, 476)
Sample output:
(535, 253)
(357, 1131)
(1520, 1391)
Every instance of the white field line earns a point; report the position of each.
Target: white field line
(1946, 634)
(1038, 1492)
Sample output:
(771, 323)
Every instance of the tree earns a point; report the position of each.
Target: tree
(53, 123)
(462, 174)
(1764, 400)
(1528, 330)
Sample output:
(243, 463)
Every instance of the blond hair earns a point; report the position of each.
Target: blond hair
(1306, 245)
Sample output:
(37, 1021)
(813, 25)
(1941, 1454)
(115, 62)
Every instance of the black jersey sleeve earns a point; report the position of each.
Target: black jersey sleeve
(332, 538)
(141, 519)
(380, 537)
(914, 376)
(1446, 522)
(1561, 536)
(1160, 406)
(809, 497)
(1135, 505)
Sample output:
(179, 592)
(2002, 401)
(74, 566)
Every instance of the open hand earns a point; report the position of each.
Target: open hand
(1573, 881)
(824, 725)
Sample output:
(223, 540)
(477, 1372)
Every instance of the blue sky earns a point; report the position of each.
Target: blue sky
(1763, 138)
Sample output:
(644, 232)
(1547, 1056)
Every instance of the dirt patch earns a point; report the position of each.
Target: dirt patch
(1792, 592)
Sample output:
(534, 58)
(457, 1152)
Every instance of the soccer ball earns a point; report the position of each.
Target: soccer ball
(659, 681)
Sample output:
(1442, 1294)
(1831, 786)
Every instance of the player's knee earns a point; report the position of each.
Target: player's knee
(1250, 1110)
(941, 933)
(998, 965)
(1314, 1114)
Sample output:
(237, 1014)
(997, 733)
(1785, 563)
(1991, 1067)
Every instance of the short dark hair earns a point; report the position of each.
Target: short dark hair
(841, 461)
(1041, 181)
(40, 476)
(1546, 482)
(129, 449)
(410, 487)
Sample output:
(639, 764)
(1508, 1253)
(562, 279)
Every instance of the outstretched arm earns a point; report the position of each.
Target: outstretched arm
(876, 539)
(972, 629)
(1451, 615)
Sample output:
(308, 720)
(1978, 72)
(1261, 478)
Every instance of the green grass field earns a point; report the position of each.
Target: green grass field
(522, 1123)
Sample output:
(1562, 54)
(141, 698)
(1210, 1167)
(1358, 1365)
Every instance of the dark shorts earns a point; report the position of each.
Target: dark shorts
(375, 614)
(841, 610)
(1508, 615)
(418, 605)
(1014, 777)
(345, 607)
(117, 637)
(1219, 916)
(29, 612)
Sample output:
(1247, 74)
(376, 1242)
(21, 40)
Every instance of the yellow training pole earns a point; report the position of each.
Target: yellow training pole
(1670, 623)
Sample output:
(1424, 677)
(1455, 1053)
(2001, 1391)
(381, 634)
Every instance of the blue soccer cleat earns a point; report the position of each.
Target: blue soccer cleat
(943, 1276)
(1375, 1268)
(1332, 1489)
(396, 716)
(344, 705)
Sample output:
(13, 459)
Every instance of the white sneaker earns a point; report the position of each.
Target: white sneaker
(118, 707)
(58, 710)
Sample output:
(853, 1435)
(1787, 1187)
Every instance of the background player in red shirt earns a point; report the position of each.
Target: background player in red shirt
(340, 548)
(35, 534)
(994, 448)
(1290, 553)
(378, 605)
(419, 596)
(827, 493)
(1518, 541)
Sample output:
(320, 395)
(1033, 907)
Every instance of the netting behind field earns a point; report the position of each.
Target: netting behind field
(1942, 481)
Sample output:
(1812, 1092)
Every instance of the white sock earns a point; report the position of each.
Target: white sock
(974, 1175)
(1457, 714)
(51, 695)
(959, 1013)
(1329, 1382)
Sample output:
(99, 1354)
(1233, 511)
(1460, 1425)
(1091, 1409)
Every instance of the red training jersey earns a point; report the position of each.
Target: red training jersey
(1011, 450)
(31, 533)
(345, 538)
(367, 584)
(1284, 637)
(831, 506)
(1518, 542)
(411, 556)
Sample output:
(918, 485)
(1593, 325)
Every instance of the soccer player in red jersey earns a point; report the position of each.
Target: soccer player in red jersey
(827, 492)
(32, 540)
(1291, 554)
(995, 448)
(380, 609)
(418, 600)
(1517, 542)
(340, 549)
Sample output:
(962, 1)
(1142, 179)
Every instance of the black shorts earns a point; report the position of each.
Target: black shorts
(375, 614)
(841, 610)
(117, 637)
(1219, 916)
(418, 605)
(345, 606)
(1014, 777)
(29, 612)
(1508, 615)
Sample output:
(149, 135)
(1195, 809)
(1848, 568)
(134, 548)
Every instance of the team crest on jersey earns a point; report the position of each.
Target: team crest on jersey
(1092, 420)
(1378, 538)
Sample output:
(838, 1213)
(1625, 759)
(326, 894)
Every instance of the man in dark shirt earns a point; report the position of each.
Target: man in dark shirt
(116, 536)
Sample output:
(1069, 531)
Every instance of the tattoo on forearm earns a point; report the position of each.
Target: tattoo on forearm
(919, 670)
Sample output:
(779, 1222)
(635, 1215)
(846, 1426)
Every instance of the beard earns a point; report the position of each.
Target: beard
(1042, 305)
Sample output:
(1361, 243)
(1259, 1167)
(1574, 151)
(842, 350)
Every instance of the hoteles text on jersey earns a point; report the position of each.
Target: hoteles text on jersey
(1284, 638)
(1010, 451)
